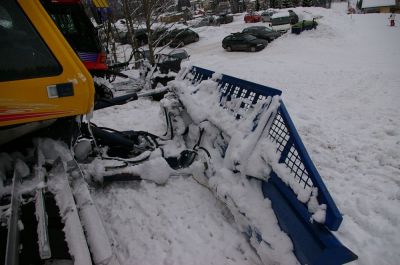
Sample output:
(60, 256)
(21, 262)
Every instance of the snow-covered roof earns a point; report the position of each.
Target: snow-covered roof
(281, 14)
(378, 3)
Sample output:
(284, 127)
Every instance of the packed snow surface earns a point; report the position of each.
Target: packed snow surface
(341, 85)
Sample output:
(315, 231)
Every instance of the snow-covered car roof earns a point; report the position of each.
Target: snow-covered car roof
(377, 3)
(281, 14)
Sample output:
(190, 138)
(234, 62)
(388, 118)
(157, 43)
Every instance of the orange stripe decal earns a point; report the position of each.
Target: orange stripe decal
(10, 117)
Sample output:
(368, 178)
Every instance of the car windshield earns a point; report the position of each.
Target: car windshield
(266, 30)
(280, 21)
(179, 32)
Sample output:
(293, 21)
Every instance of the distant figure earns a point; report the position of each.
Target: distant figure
(392, 17)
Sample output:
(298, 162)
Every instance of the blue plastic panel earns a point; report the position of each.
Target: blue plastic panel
(314, 243)
(283, 132)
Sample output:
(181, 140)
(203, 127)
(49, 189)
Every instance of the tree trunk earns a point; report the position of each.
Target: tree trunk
(147, 11)
(131, 37)
(110, 22)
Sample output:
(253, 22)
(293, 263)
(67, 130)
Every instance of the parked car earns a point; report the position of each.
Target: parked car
(140, 35)
(225, 18)
(252, 17)
(181, 37)
(266, 16)
(262, 32)
(243, 42)
(173, 17)
(159, 36)
(294, 18)
(281, 21)
(167, 61)
(206, 21)
(171, 61)
(179, 54)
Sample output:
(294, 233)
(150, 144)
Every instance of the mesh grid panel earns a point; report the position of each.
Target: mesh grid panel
(294, 162)
(238, 96)
(230, 92)
(279, 133)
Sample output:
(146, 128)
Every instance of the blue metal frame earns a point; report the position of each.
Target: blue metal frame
(313, 242)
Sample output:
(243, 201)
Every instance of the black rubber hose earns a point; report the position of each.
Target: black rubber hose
(112, 139)
(105, 103)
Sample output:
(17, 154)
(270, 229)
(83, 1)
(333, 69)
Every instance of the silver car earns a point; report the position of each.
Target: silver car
(266, 16)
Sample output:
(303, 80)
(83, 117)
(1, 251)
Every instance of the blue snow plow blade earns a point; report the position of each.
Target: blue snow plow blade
(314, 243)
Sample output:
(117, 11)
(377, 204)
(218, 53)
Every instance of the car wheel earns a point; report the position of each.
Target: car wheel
(196, 39)
(252, 48)
(229, 48)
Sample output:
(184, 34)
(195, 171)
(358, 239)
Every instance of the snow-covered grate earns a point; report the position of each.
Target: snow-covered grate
(240, 99)
(283, 132)
(293, 161)
(313, 241)
(279, 133)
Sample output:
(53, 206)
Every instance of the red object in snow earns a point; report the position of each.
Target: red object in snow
(252, 18)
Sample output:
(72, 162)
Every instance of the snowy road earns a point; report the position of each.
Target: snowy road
(341, 85)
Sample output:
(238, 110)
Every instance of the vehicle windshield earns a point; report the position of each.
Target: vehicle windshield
(280, 21)
(76, 27)
(266, 29)
(176, 32)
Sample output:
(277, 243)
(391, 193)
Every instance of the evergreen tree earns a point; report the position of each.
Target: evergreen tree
(308, 2)
(287, 3)
(359, 4)
(275, 3)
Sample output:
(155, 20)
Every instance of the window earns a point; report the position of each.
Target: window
(23, 54)
(280, 21)
(76, 27)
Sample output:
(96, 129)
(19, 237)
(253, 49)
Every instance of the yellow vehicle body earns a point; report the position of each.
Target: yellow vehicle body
(43, 98)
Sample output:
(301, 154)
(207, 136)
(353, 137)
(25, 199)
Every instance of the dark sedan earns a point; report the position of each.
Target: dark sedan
(262, 32)
(243, 42)
(180, 37)
(225, 18)
(140, 35)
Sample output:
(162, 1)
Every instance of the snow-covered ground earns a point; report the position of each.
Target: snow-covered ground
(341, 85)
